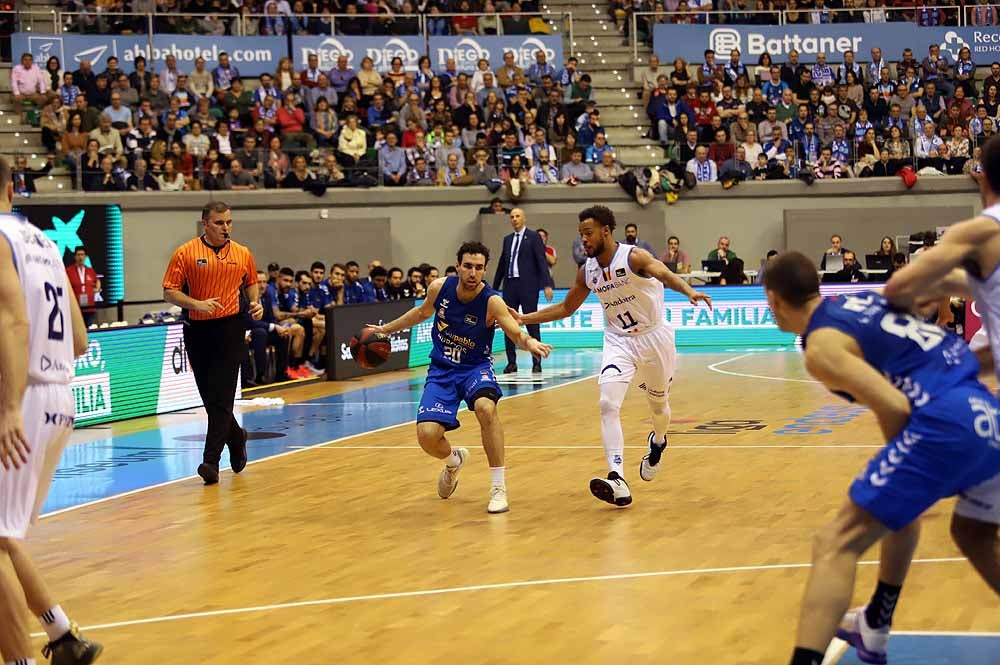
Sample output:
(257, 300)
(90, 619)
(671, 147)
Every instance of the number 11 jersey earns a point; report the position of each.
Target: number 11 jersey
(42, 276)
(632, 304)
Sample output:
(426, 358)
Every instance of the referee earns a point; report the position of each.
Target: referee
(204, 278)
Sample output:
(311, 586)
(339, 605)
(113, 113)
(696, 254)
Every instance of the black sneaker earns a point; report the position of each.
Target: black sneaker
(612, 490)
(209, 473)
(238, 452)
(651, 461)
(72, 649)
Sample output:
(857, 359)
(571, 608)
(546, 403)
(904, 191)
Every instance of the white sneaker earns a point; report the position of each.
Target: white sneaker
(613, 489)
(870, 643)
(651, 462)
(498, 501)
(313, 369)
(448, 480)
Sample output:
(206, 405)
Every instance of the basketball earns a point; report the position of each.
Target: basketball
(370, 348)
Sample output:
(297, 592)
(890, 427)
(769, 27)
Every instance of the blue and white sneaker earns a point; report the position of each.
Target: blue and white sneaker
(870, 643)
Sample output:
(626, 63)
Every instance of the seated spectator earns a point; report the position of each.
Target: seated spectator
(576, 171)
(299, 177)
(171, 180)
(352, 144)
(544, 172)
(290, 120)
(421, 174)
(595, 153)
(736, 168)
(836, 248)
(777, 146)
(515, 176)
(324, 123)
(482, 172)
(238, 178)
(720, 149)
(609, 170)
(392, 160)
(276, 164)
(827, 166)
(329, 172)
(851, 272)
(196, 143)
(109, 141)
(452, 174)
(29, 83)
(676, 256)
(722, 251)
(703, 169)
(140, 180)
(213, 178)
(928, 149)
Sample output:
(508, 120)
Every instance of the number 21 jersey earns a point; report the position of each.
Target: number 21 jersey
(42, 276)
(632, 304)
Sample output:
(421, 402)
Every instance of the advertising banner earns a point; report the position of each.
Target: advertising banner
(690, 41)
(98, 228)
(131, 372)
(467, 51)
(342, 323)
(380, 49)
(253, 56)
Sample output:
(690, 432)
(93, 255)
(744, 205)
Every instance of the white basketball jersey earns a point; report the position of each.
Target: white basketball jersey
(987, 296)
(632, 304)
(46, 291)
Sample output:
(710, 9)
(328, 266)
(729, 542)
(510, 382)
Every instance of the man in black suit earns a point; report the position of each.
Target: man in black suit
(524, 272)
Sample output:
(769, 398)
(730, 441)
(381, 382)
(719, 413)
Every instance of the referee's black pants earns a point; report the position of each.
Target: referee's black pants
(215, 348)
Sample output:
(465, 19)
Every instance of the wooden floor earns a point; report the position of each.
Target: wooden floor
(344, 553)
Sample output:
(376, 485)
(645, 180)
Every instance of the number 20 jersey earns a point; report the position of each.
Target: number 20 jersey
(921, 359)
(42, 276)
(460, 335)
(632, 304)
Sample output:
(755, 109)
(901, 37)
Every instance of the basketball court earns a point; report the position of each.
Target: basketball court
(333, 547)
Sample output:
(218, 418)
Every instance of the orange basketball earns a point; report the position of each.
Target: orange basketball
(370, 348)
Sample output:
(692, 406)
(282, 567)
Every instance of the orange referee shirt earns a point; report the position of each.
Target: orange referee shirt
(201, 272)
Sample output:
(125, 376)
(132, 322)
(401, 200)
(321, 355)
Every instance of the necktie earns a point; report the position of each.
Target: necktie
(513, 254)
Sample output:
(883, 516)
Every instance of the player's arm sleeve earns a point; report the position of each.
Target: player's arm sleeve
(834, 358)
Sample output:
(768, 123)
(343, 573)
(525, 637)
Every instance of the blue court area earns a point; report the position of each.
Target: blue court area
(938, 650)
(105, 467)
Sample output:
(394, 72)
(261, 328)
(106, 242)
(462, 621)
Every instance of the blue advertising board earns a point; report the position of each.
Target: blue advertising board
(380, 49)
(690, 41)
(467, 51)
(253, 56)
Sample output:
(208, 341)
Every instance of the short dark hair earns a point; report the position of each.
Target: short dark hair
(451, 270)
(273, 266)
(472, 247)
(771, 253)
(81, 248)
(378, 271)
(287, 271)
(317, 264)
(632, 226)
(339, 265)
(600, 214)
(990, 158)
(299, 274)
(793, 277)
(395, 269)
(674, 238)
(206, 212)
(351, 264)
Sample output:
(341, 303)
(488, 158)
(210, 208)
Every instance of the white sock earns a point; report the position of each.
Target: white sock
(453, 460)
(612, 396)
(55, 622)
(497, 477)
(21, 661)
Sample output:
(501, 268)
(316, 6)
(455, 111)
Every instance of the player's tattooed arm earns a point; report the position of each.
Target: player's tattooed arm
(421, 312)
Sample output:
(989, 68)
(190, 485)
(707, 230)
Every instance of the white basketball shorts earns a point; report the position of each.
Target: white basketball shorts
(650, 357)
(48, 411)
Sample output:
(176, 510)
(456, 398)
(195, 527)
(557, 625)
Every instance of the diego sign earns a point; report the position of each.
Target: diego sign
(355, 49)
(467, 51)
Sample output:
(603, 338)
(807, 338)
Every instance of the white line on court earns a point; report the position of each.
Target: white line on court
(479, 587)
(669, 448)
(294, 451)
(714, 367)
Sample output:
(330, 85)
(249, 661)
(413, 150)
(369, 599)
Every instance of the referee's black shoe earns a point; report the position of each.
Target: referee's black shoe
(238, 452)
(209, 473)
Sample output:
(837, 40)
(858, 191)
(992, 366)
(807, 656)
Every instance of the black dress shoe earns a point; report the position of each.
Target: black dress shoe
(536, 367)
(238, 452)
(209, 473)
(249, 384)
(510, 369)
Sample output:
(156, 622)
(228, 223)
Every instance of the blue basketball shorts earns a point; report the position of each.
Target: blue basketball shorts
(447, 387)
(948, 446)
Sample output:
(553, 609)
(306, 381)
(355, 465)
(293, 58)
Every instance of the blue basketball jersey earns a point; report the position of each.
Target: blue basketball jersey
(922, 360)
(460, 334)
